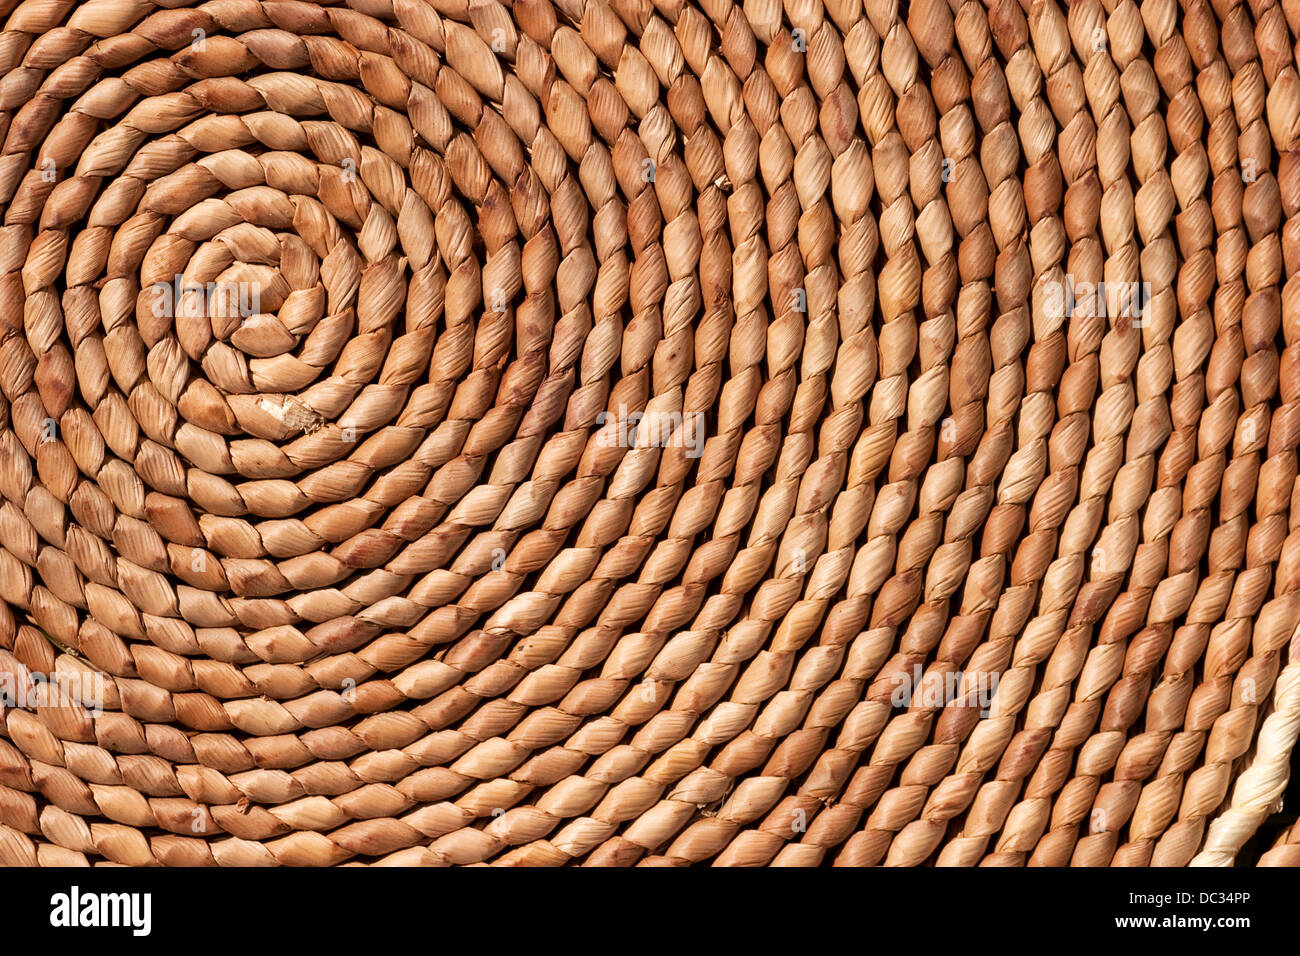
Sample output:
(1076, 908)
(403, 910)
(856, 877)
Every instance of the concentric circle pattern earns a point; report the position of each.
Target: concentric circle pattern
(615, 432)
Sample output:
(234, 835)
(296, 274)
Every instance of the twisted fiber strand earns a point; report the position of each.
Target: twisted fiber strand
(1248, 432)
(1259, 310)
(1052, 497)
(1252, 675)
(788, 279)
(920, 837)
(1045, 768)
(724, 822)
(1230, 735)
(890, 508)
(558, 686)
(1076, 165)
(348, 610)
(550, 682)
(554, 680)
(816, 541)
(1097, 579)
(916, 113)
(1177, 752)
(1259, 788)
(1106, 807)
(852, 506)
(1086, 264)
(1191, 350)
(518, 827)
(967, 193)
(603, 827)
(1008, 214)
(1146, 562)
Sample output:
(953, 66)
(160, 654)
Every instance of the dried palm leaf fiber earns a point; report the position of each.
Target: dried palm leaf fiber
(629, 433)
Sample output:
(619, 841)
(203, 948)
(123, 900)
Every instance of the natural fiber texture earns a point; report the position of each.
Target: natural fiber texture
(627, 433)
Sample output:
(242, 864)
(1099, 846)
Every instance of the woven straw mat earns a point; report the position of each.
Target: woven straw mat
(614, 432)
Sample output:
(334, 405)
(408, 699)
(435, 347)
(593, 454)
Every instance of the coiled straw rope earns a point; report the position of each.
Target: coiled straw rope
(614, 432)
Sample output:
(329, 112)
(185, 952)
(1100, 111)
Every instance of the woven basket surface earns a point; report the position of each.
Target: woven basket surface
(616, 432)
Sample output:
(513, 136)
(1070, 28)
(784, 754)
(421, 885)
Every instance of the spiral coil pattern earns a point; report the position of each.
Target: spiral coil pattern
(615, 432)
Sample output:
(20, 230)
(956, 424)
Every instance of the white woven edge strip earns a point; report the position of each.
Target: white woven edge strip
(1261, 785)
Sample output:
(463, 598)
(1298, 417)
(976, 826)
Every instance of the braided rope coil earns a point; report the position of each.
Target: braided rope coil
(616, 432)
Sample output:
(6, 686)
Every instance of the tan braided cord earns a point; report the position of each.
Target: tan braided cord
(649, 432)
